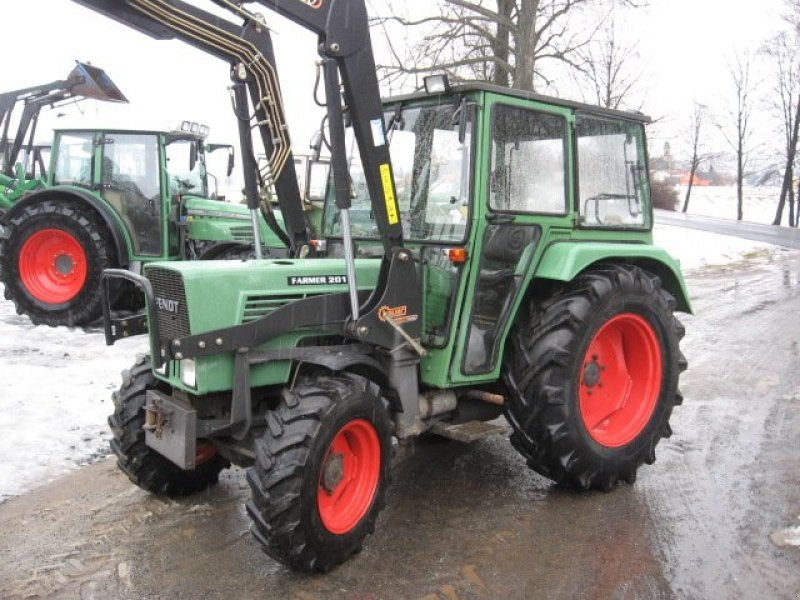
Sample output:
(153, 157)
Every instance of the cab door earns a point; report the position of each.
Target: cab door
(528, 185)
(131, 184)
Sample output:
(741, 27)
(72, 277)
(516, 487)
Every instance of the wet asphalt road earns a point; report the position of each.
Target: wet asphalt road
(473, 521)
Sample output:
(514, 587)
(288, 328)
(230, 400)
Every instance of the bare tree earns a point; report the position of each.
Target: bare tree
(784, 51)
(736, 130)
(505, 42)
(698, 117)
(611, 66)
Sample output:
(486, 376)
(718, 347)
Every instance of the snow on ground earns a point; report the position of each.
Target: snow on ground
(56, 383)
(55, 396)
(759, 203)
(699, 249)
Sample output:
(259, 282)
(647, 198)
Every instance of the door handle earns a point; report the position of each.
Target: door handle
(500, 218)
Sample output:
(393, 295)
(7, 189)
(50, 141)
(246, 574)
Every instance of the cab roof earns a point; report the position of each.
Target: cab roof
(466, 88)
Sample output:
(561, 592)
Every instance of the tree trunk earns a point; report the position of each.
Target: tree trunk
(525, 45)
(500, 46)
(692, 171)
(791, 151)
(739, 180)
(797, 221)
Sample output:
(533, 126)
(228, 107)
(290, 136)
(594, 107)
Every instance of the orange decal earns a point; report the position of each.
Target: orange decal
(398, 314)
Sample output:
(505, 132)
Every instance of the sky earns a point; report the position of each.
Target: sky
(686, 45)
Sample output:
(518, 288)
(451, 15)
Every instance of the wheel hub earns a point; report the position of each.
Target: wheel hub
(333, 472)
(64, 264)
(591, 374)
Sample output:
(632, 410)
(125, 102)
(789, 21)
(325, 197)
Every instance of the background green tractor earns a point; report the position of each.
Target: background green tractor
(114, 198)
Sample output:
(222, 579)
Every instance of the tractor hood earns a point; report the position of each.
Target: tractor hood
(200, 296)
(217, 221)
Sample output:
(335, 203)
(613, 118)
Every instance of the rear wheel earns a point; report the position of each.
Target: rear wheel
(144, 466)
(593, 377)
(51, 260)
(321, 471)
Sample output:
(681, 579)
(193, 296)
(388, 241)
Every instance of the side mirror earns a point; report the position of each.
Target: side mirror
(192, 156)
(317, 174)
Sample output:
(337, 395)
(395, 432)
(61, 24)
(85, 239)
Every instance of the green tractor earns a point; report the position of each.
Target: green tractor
(121, 199)
(490, 254)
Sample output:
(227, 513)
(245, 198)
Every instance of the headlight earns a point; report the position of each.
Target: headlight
(188, 373)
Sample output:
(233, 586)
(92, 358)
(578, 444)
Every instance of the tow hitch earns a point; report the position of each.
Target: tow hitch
(170, 428)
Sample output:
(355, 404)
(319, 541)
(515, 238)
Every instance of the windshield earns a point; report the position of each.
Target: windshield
(185, 177)
(74, 158)
(431, 171)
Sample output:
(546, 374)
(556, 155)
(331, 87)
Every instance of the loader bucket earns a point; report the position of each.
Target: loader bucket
(92, 82)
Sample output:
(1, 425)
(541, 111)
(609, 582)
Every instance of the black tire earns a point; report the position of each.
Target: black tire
(290, 460)
(546, 377)
(84, 226)
(143, 466)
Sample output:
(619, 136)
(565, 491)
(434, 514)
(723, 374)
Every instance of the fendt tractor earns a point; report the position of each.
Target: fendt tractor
(113, 198)
(491, 253)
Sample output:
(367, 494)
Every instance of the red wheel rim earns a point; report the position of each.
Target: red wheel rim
(349, 476)
(52, 266)
(204, 452)
(620, 380)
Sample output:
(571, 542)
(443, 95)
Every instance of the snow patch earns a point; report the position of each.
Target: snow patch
(786, 537)
(698, 249)
(55, 397)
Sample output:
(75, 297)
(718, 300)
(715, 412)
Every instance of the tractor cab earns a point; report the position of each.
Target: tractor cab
(487, 180)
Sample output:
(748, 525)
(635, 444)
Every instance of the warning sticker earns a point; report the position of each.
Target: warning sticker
(388, 195)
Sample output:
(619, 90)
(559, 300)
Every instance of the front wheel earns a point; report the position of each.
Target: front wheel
(321, 471)
(593, 377)
(144, 466)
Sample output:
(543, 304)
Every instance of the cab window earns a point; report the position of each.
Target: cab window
(528, 161)
(613, 188)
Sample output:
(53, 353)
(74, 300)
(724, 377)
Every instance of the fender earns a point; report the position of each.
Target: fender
(82, 197)
(563, 261)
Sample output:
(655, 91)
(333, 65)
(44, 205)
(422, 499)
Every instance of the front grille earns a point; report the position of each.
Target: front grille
(168, 286)
(242, 233)
(256, 307)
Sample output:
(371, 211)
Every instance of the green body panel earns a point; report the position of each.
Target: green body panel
(564, 261)
(12, 189)
(215, 221)
(245, 290)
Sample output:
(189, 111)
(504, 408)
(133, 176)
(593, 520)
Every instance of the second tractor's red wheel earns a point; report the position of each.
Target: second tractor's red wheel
(620, 380)
(52, 266)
